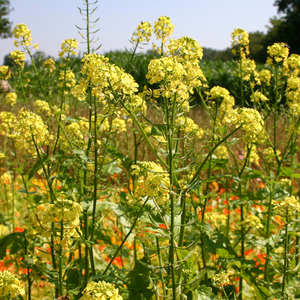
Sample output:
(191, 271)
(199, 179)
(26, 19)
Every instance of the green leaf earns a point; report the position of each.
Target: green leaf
(203, 292)
(186, 257)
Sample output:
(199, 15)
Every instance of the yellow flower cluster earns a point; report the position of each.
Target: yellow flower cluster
(188, 126)
(21, 31)
(49, 64)
(252, 221)
(18, 57)
(290, 204)
(42, 106)
(293, 63)
(100, 291)
(293, 95)
(7, 124)
(68, 46)
(142, 33)
(163, 28)
(152, 181)
(62, 210)
(277, 52)
(240, 38)
(30, 126)
(67, 77)
(4, 73)
(216, 219)
(258, 96)
(222, 152)
(265, 76)
(11, 98)
(137, 105)
(5, 178)
(251, 121)
(106, 77)
(220, 279)
(269, 153)
(222, 95)
(10, 286)
(248, 68)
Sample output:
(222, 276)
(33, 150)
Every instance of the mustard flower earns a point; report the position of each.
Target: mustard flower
(22, 32)
(30, 126)
(118, 125)
(265, 76)
(241, 38)
(67, 77)
(5, 178)
(277, 52)
(11, 98)
(100, 291)
(188, 126)
(163, 28)
(137, 104)
(79, 90)
(42, 106)
(222, 152)
(248, 69)
(4, 73)
(258, 96)
(152, 181)
(62, 210)
(251, 121)
(220, 279)
(285, 182)
(18, 57)
(7, 124)
(252, 221)
(186, 47)
(10, 286)
(217, 220)
(269, 153)
(293, 63)
(2, 155)
(68, 46)
(49, 64)
(289, 204)
(142, 33)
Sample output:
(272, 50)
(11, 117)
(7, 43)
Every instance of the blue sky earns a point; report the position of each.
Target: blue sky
(210, 22)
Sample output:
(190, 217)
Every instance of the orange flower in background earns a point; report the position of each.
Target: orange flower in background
(214, 187)
(19, 229)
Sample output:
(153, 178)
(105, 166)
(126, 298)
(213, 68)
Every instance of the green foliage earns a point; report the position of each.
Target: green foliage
(5, 25)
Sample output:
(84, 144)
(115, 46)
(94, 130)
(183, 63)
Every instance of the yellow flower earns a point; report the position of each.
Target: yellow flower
(49, 64)
(100, 291)
(220, 279)
(241, 38)
(4, 73)
(21, 31)
(68, 46)
(290, 204)
(188, 126)
(142, 33)
(278, 52)
(18, 57)
(217, 220)
(265, 76)
(11, 99)
(252, 221)
(258, 96)
(222, 152)
(10, 286)
(163, 28)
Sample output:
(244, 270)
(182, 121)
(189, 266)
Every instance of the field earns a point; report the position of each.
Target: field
(158, 176)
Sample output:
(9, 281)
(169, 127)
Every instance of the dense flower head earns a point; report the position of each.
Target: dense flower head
(30, 126)
(11, 98)
(49, 64)
(137, 104)
(241, 38)
(251, 121)
(252, 221)
(216, 219)
(142, 33)
(186, 47)
(67, 77)
(62, 210)
(18, 57)
(22, 32)
(265, 76)
(222, 152)
(42, 107)
(293, 63)
(8, 121)
(10, 286)
(257, 96)
(163, 28)
(4, 73)
(5, 178)
(68, 46)
(220, 279)
(290, 204)
(152, 180)
(100, 291)
(248, 67)
(277, 52)
(106, 77)
(187, 125)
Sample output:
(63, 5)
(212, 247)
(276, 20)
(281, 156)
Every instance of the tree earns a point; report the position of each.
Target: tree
(5, 25)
